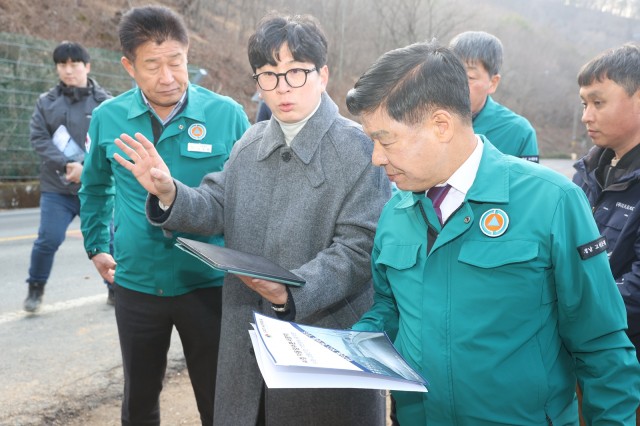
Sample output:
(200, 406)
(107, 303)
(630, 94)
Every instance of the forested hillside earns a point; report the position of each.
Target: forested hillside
(546, 42)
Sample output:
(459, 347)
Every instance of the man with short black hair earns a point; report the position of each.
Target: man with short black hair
(298, 189)
(58, 132)
(610, 173)
(489, 272)
(158, 286)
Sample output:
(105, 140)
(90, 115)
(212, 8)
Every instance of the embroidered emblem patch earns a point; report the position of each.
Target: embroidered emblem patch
(593, 248)
(494, 223)
(197, 132)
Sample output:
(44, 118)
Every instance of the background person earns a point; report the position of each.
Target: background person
(610, 173)
(300, 190)
(481, 53)
(498, 291)
(262, 110)
(264, 113)
(58, 132)
(157, 286)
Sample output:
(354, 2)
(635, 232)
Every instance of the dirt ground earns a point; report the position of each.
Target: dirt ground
(177, 406)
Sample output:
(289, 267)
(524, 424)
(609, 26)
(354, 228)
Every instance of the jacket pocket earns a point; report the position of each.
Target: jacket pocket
(402, 267)
(493, 254)
(399, 256)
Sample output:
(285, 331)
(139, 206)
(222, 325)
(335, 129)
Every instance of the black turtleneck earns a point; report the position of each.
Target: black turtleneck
(606, 174)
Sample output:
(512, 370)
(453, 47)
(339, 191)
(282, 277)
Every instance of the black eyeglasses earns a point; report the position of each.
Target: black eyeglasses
(295, 77)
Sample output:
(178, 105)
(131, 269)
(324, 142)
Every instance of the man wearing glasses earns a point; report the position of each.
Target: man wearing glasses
(300, 190)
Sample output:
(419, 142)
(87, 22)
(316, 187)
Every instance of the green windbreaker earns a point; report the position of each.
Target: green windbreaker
(195, 142)
(504, 316)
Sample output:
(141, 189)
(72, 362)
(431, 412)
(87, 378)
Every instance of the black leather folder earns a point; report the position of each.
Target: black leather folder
(238, 262)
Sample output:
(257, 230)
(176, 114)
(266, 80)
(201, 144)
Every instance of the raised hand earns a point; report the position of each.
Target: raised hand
(147, 166)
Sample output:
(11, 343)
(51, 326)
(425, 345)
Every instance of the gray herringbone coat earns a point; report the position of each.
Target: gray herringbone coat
(312, 208)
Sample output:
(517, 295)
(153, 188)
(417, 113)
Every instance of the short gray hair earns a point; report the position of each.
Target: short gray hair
(479, 46)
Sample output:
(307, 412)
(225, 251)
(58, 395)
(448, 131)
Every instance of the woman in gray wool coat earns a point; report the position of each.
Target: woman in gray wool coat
(300, 190)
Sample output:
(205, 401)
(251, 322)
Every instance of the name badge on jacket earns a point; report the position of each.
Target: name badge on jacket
(199, 147)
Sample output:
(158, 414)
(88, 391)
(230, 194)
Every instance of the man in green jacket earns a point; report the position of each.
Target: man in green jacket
(512, 134)
(496, 289)
(157, 286)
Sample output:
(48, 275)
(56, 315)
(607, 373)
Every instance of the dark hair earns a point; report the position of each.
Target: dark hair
(621, 65)
(150, 23)
(68, 51)
(302, 34)
(412, 81)
(479, 46)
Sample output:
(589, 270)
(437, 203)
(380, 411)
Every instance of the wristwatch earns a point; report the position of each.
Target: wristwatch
(93, 252)
(281, 308)
(163, 206)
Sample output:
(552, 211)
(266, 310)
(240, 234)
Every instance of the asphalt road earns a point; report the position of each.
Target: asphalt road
(65, 359)
(562, 166)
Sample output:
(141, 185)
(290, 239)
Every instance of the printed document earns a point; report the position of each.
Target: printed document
(293, 355)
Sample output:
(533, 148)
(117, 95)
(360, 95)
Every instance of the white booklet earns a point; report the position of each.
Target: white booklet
(292, 355)
(65, 143)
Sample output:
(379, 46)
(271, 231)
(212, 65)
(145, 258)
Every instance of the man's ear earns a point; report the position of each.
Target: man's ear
(443, 124)
(324, 76)
(494, 82)
(636, 102)
(128, 66)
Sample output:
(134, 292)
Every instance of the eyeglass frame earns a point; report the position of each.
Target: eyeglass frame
(284, 74)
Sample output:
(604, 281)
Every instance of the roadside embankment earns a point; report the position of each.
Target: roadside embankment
(19, 195)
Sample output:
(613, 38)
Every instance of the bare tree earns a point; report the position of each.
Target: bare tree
(403, 22)
(626, 8)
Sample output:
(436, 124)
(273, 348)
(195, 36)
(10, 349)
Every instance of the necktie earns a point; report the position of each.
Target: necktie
(437, 194)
